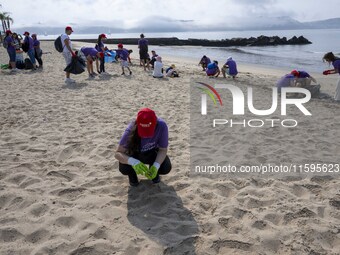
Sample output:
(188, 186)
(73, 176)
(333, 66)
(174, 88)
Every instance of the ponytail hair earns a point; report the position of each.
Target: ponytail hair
(134, 141)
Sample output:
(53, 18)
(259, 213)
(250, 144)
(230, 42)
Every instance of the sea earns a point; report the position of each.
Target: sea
(301, 57)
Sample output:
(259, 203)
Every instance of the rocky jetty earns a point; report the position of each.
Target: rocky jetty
(252, 41)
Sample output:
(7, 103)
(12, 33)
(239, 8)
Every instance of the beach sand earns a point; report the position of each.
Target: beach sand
(61, 191)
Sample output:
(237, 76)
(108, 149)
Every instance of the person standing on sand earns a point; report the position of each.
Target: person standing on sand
(37, 50)
(100, 47)
(11, 50)
(143, 52)
(331, 59)
(29, 42)
(144, 142)
(67, 51)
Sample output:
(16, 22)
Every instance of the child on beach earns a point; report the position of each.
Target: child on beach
(123, 54)
(144, 142)
(158, 68)
(153, 58)
(100, 47)
(335, 61)
(90, 54)
(204, 62)
(171, 71)
(230, 68)
(213, 70)
(287, 80)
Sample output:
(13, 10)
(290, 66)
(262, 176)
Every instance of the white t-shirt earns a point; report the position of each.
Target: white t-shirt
(157, 70)
(63, 38)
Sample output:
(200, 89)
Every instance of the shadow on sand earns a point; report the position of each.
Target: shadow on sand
(158, 211)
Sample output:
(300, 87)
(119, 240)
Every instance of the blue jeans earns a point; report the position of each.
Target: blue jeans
(31, 55)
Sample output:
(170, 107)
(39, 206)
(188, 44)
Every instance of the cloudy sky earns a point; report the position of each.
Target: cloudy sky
(131, 13)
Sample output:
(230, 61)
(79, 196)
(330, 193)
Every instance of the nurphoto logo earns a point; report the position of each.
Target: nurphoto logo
(238, 108)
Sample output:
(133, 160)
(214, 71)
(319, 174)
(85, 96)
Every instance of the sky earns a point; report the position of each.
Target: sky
(127, 14)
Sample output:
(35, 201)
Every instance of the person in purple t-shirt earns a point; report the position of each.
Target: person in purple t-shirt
(204, 62)
(90, 54)
(230, 68)
(143, 52)
(331, 59)
(213, 70)
(303, 79)
(123, 55)
(37, 50)
(287, 80)
(144, 142)
(30, 49)
(11, 50)
(100, 47)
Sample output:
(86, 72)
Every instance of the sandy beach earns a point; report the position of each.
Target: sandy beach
(61, 191)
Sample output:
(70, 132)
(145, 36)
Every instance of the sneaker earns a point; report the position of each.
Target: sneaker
(123, 73)
(94, 74)
(69, 80)
(91, 76)
(157, 179)
(130, 72)
(14, 70)
(104, 73)
(134, 184)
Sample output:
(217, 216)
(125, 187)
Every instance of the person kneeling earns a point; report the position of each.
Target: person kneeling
(144, 142)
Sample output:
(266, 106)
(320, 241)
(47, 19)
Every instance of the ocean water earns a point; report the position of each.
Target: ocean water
(302, 57)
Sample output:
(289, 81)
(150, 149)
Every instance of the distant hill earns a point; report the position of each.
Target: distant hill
(323, 24)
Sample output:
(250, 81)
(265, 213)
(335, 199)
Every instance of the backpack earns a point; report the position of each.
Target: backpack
(58, 45)
(28, 64)
(5, 43)
(25, 46)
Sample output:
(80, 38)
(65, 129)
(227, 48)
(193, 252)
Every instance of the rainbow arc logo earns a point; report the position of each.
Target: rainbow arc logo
(211, 92)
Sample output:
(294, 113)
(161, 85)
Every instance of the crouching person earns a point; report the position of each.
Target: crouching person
(89, 55)
(143, 148)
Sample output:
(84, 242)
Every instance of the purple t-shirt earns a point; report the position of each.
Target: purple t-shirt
(285, 81)
(212, 68)
(123, 54)
(99, 46)
(336, 65)
(88, 51)
(36, 43)
(30, 42)
(159, 140)
(10, 43)
(232, 67)
(143, 42)
(303, 74)
(205, 60)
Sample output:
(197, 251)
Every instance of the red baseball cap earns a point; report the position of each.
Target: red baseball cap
(295, 73)
(8, 31)
(68, 28)
(120, 45)
(146, 123)
(103, 36)
(26, 33)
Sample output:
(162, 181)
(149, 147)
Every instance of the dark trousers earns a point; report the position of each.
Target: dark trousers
(147, 158)
(38, 58)
(102, 65)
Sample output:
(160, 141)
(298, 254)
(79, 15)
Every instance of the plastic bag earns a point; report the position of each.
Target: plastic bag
(77, 66)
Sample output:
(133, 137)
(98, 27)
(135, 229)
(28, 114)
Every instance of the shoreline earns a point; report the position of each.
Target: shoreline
(274, 73)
